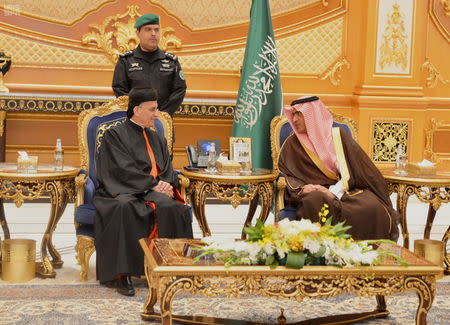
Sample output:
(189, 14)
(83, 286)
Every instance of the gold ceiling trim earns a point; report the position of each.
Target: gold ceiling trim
(178, 10)
(434, 76)
(41, 37)
(113, 31)
(58, 21)
(446, 5)
(434, 17)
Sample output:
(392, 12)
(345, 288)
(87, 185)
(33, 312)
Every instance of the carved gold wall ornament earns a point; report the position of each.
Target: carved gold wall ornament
(446, 5)
(387, 136)
(5, 64)
(115, 36)
(335, 72)
(430, 152)
(394, 48)
(434, 76)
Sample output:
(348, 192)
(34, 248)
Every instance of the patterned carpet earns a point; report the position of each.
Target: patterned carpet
(94, 304)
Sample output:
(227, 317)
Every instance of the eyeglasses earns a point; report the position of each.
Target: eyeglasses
(152, 109)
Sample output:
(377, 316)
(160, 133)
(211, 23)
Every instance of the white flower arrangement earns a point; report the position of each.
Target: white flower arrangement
(295, 244)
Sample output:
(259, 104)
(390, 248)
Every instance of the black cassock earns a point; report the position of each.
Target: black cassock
(124, 186)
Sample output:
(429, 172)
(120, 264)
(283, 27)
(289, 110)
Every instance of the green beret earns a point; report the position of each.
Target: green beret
(148, 19)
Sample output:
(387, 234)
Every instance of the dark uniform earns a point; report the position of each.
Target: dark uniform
(160, 70)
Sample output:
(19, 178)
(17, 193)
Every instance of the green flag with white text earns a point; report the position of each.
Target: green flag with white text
(259, 98)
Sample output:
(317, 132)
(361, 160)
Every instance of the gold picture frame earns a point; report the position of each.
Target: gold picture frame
(241, 151)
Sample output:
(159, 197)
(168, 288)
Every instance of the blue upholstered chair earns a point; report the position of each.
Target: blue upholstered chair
(92, 124)
(280, 129)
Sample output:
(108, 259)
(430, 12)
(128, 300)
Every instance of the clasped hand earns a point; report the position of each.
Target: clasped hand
(164, 187)
(308, 188)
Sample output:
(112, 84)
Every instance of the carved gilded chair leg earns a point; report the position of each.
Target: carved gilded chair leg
(85, 248)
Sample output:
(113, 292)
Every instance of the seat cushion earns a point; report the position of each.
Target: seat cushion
(85, 230)
(288, 212)
(85, 214)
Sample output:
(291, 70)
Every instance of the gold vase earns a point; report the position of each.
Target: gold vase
(18, 260)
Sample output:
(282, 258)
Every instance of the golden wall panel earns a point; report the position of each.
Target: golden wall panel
(320, 47)
(200, 14)
(388, 135)
(64, 12)
(394, 36)
(28, 53)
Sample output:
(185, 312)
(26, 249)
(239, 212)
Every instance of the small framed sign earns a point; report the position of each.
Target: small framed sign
(241, 151)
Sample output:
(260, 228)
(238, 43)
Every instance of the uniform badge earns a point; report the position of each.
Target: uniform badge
(135, 67)
(181, 74)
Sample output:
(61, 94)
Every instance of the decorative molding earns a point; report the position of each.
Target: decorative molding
(325, 3)
(335, 72)
(394, 48)
(115, 37)
(429, 151)
(440, 15)
(446, 5)
(387, 136)
(434, 76)
(2, 122)
(61, 12)
(77, 105)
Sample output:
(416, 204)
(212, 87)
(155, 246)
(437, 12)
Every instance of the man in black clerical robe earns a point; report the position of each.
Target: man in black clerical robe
(137, 195)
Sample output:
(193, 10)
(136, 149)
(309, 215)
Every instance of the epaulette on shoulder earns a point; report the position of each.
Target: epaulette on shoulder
(127, 53)
(171, 56)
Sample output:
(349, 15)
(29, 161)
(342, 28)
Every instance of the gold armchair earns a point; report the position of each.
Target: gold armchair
(92, 124)
(279, 131)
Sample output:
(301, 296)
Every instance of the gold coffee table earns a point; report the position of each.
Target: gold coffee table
(169, 271)
(232, 188)
(19, 187)
(432, 189)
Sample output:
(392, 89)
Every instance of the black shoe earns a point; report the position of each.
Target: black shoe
(125, 286)
(109, 284)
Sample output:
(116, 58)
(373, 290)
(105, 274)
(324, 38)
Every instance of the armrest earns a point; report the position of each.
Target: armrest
(184, 183)
(281, 188)
(80, 181)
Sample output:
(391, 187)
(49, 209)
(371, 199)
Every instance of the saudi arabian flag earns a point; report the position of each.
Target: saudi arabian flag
(259, 98)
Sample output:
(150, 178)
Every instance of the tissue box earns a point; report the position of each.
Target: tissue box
(415, 168)
(27, 165)
(228, 167)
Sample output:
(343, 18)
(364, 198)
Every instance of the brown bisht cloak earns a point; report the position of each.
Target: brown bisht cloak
(124, 185)
(365, 206)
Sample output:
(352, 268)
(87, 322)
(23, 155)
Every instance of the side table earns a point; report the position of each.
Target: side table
(432, 189)
(259, 184)
(19, 187)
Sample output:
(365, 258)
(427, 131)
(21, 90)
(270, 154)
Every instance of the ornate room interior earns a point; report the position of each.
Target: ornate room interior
(381, 63)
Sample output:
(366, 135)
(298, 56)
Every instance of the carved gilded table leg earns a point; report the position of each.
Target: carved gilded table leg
(152, 294)
(446, 254)
(429, 223)
(58, 200)
(169, 286)
(3, 221)
(198, 198)
(403, 193)
(252, 205)
(425, 287)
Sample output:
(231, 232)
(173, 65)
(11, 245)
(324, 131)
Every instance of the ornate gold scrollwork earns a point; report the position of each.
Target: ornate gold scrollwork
(123, 33)
(234, 194)
(387, 137)
(446, 5)
(429, 153)
(335, 72)
(21, 191)
(394, 48)
(325, 3)
(2, 122)
(434, 76)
